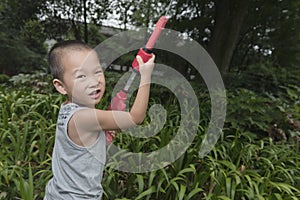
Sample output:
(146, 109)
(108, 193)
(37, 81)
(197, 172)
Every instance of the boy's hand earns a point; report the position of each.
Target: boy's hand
(146, 68)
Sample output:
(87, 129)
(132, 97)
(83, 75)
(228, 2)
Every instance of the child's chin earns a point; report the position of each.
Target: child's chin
(95, 102)
(91, 103)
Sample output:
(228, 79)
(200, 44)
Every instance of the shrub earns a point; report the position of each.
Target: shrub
(240, 166)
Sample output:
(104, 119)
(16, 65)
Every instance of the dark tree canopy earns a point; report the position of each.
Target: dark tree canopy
(235, 33)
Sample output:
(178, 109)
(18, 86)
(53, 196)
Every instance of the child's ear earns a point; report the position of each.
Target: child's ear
(59, 86)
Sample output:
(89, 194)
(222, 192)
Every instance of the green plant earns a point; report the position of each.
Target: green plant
(4, 78)
(244, 164)
(38, 81)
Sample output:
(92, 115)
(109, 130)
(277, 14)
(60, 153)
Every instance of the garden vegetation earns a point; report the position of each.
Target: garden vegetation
(256, 157)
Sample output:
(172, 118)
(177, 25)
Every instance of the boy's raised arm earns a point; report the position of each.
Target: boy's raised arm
(139, 107)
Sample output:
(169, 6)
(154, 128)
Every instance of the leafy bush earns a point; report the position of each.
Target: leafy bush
(242, 165)
(39, 82)
(262, 78)
(27, 132)
(4, 78)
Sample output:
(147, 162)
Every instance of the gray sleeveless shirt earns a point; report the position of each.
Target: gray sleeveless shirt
(77, 171)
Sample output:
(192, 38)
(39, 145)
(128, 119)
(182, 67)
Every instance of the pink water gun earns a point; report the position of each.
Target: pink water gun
(119, 101)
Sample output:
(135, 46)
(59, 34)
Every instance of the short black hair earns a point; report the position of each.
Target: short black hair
(57, 52)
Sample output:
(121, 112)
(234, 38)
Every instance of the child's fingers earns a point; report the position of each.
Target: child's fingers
(140, 60)
(151, 60)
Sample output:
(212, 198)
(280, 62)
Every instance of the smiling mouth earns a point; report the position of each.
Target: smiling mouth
(95, 93)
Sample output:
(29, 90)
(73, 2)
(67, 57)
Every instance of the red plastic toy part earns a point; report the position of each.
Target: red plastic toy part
(160, 25)
(109, 136)
(144, 55)
(118, 102)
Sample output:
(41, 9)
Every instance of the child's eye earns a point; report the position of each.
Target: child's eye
(80, 76)
(99, 72)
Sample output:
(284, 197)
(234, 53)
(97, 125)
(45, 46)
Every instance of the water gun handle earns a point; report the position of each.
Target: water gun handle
(118, 102)
(145, 54)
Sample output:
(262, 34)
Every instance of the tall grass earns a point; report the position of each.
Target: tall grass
(27, 136)
(245, 163)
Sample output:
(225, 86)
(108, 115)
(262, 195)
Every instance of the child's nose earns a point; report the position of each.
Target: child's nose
(95, 82)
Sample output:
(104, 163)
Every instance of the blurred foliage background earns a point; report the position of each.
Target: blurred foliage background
(237, 34)
(255, 45)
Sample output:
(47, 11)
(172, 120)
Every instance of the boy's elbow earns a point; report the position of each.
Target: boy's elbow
(137, 120)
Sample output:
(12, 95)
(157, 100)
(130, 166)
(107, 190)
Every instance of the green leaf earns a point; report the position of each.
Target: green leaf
(223, 197)
(148, 192)
(191, 168)
(140, 179)
(194, 192)
(278, 196)
(284, 187)
(181, 192)
(151, 178)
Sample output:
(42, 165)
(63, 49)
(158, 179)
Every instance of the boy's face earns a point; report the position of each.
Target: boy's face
(83, 78)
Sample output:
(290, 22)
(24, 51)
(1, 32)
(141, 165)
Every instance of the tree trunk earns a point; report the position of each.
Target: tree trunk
(229, 18)
(85, 22)
(76, 30)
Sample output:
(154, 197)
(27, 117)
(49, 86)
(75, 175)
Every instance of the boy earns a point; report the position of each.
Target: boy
(80, 151)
